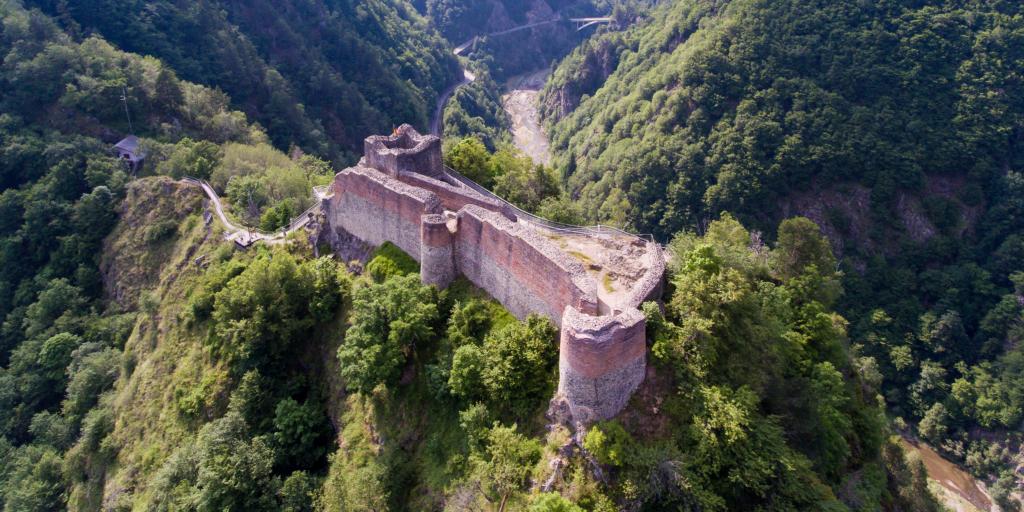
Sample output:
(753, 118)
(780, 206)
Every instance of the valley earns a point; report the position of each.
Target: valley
(520, 99)
(393, 255)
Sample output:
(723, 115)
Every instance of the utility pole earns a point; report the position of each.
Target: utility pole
(124, 99)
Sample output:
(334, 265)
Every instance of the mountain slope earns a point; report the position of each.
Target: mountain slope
(898, 126)
(321, 74)
(730, 105)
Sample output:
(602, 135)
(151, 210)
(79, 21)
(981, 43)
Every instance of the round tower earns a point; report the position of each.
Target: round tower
(601, 361)
(437, 262)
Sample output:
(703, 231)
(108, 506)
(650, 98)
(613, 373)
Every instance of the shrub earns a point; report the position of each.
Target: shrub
(609, 443)
(160, 231)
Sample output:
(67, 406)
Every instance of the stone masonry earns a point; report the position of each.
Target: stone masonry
(401, 193)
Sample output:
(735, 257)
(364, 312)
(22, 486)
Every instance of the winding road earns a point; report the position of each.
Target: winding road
(468, 76)
(435, 122)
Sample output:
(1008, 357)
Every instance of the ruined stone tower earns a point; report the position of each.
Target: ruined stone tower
(588, 281)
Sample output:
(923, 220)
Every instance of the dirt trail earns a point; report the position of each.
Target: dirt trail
(965, 493)
(520, 103)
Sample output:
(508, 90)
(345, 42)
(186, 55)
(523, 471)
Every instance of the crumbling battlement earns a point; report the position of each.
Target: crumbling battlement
(404, 151)
(401, 193)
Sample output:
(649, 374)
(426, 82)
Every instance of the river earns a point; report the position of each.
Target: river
(962, 493)
(520, 102)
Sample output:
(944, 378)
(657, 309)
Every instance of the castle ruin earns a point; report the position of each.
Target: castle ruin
(588, 281)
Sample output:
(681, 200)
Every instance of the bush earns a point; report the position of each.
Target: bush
(609, 443)
(160, 231)
(465, 379)
(299, 492)
(552, 502)
(300, 433)
(390, 261)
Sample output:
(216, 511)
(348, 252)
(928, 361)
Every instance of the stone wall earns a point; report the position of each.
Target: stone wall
(437, 251)
(404, 151)
(453, 197)
(651, 284)
(601, 361)
(378, 209)
(400, 194)
(522, 270)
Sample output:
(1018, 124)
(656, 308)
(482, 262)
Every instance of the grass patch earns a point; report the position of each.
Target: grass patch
(580, 256)
(461, 290)
(609, 286)
(388, 260)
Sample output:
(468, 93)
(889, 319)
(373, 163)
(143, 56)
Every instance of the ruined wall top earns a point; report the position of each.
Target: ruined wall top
(404, 151)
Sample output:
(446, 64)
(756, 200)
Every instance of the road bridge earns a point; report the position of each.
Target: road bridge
(581, 23)
(467, 76)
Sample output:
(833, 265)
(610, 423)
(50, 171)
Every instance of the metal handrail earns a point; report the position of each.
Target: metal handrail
(293, 223)
(540, 221)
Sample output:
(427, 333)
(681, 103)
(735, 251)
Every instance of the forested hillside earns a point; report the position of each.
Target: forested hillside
(896, 125)
(148, 364)
(317, 74)
(517, 52)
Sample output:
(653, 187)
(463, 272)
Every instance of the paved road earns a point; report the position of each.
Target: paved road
(467, 77)
(435, 122)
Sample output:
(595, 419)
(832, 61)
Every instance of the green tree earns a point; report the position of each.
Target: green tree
(55, 354)
(330, 283)
(470, 158)
(35, 481)
(522, 182)
(609, 443)
(260, 313)
(299, 433)
(934, 426)
(387, 320)
(195, 159)
(518, 361)
(299, 492)
(506, 462)
(223, 469)
(552, 502)
(801, 245)
(465, 379)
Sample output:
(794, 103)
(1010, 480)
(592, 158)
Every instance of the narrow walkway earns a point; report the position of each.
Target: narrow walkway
(246, 236)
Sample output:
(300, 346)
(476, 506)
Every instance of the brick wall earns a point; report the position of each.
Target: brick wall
(378, 209)
(518, 267)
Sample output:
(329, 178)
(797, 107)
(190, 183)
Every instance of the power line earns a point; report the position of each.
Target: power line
(124, 98)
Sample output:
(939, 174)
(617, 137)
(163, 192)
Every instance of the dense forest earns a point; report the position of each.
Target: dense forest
(898, 126)
(837, 187)
(320, 75)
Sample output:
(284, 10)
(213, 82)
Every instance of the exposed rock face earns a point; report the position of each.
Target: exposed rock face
(401, 193)
(600, 57)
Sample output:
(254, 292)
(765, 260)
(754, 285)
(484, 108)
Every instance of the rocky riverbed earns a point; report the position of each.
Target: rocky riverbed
(520, 102)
